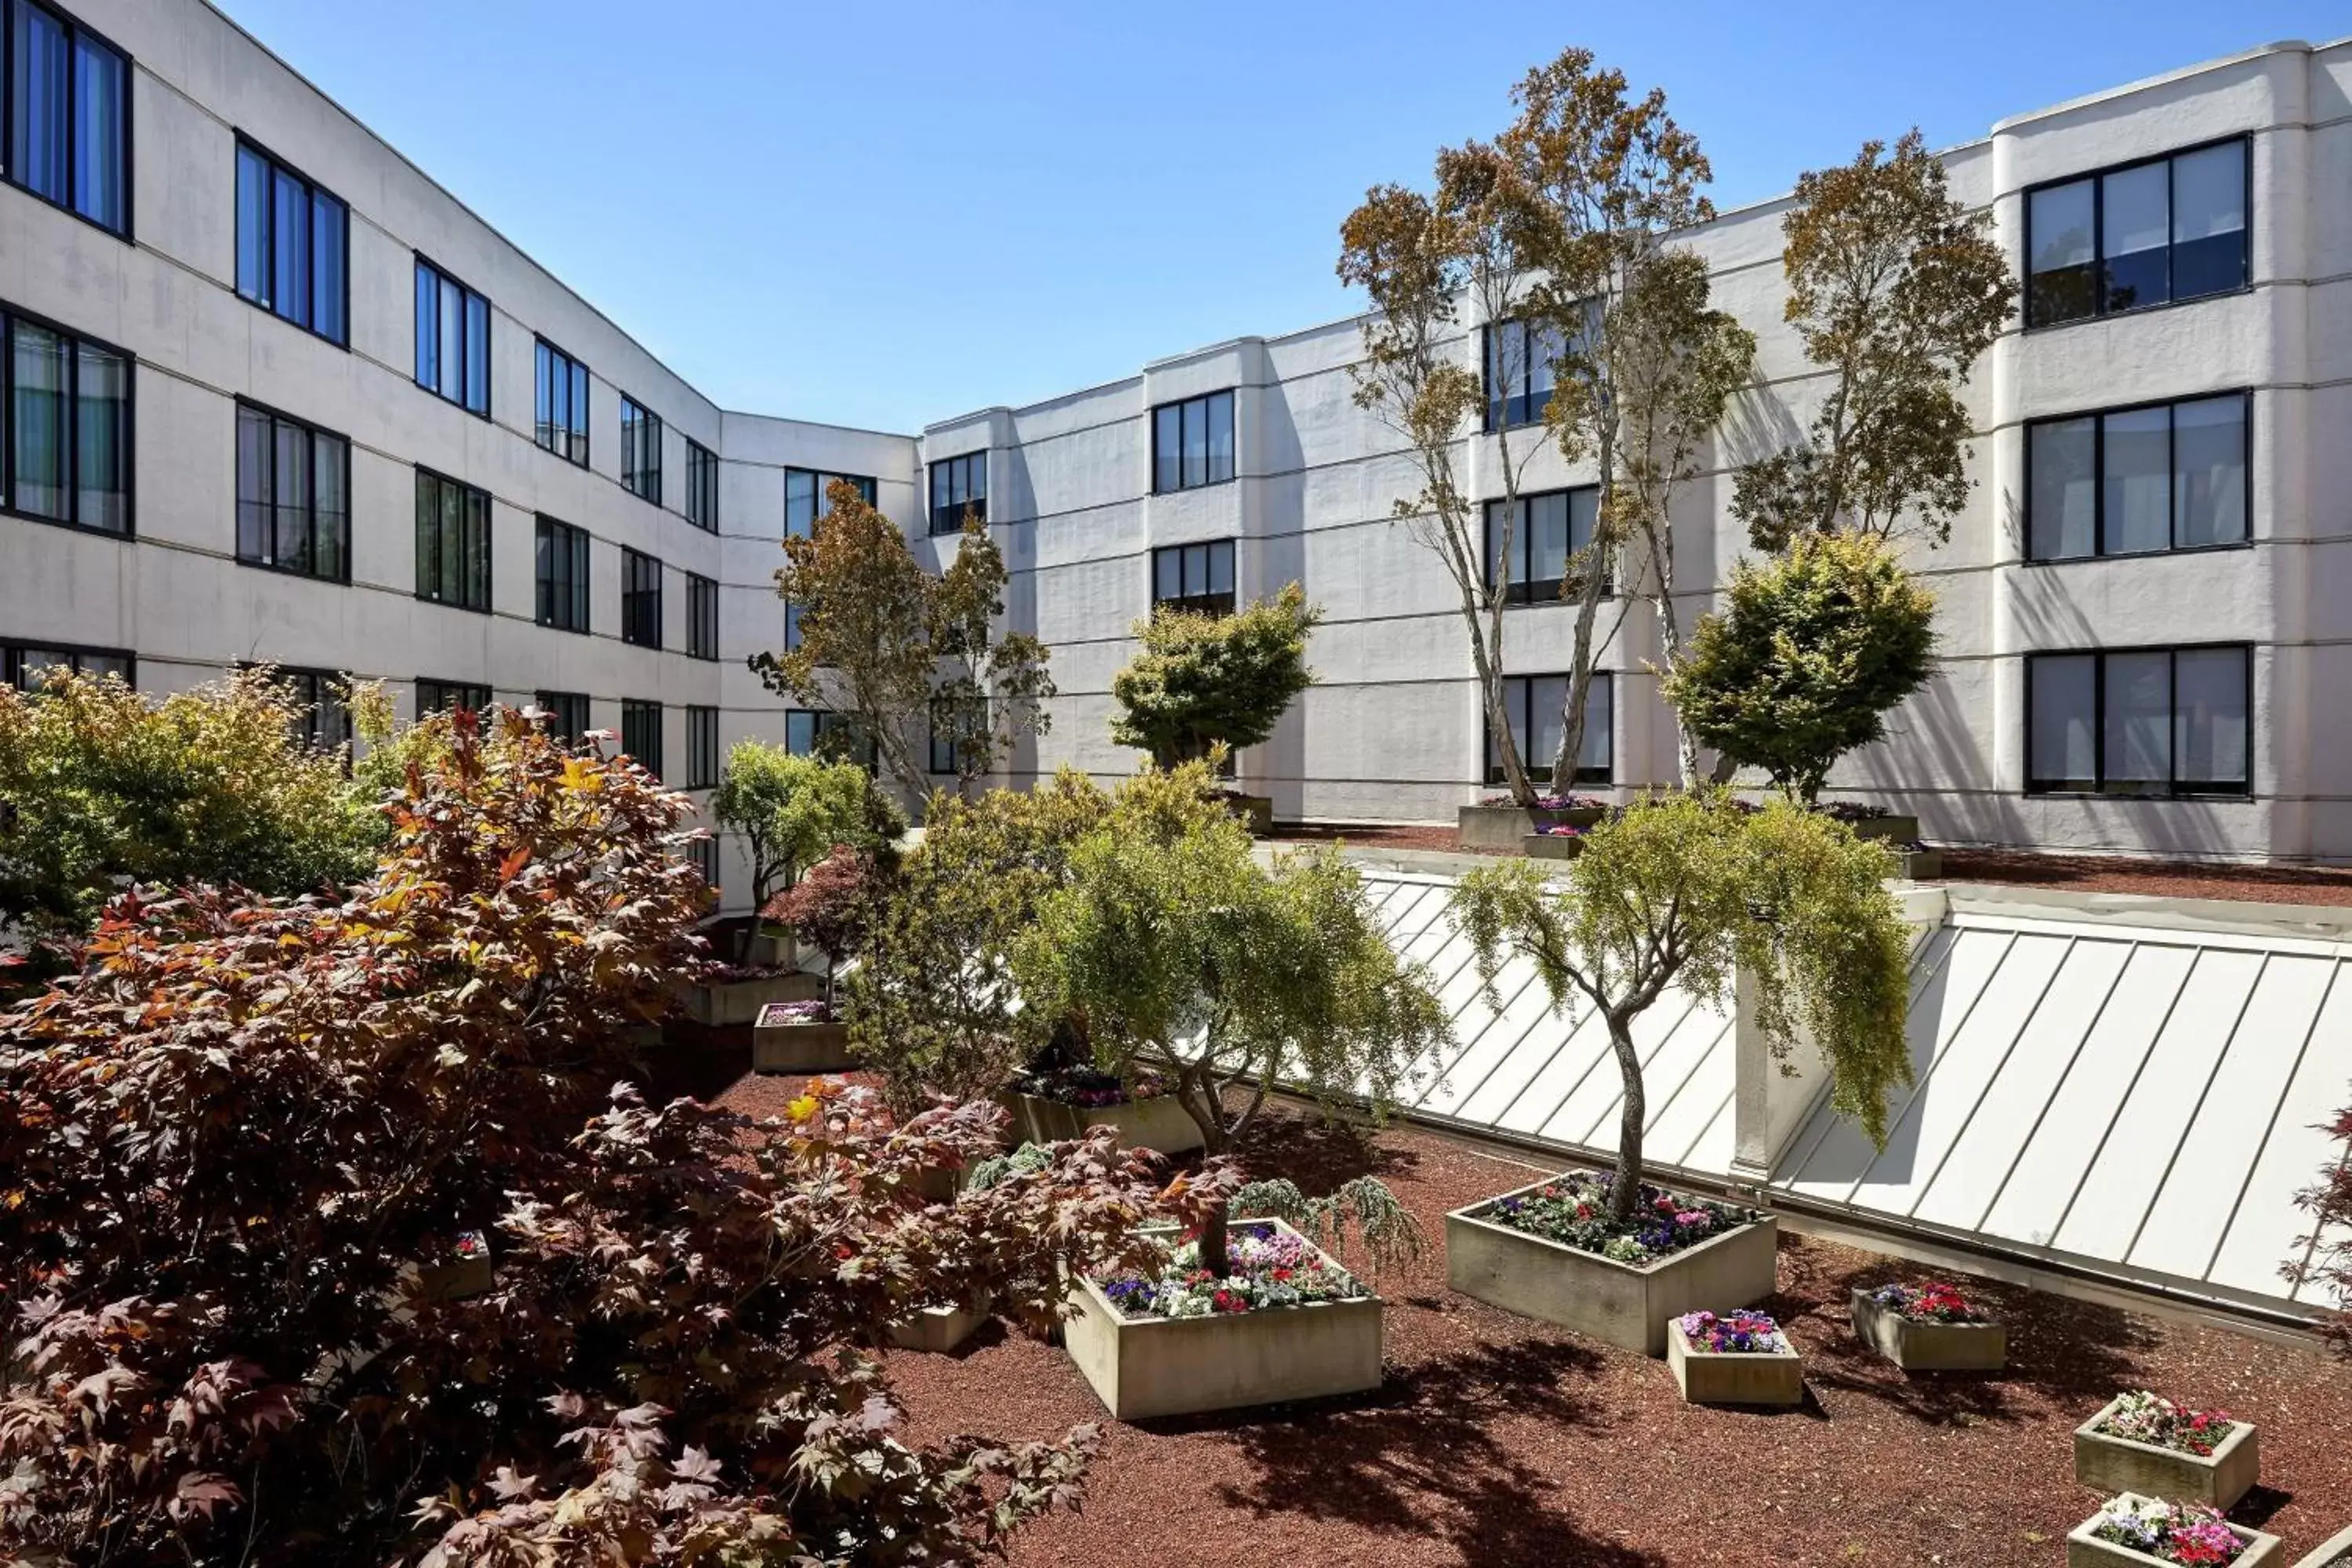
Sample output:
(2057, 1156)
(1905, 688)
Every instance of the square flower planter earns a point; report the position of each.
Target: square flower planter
(2084, 1550)
(1142, 1367)
(2115, 1465)
(1734, 1377)
(740, 1001)
(1918, 1346)
(937, 1329)
(1160, 1123)
(1256, 811)
(2333, 1552)
(1552, 845)
(1897, 830)
(1502, 826)
(782, 1044)
(1624, 1304)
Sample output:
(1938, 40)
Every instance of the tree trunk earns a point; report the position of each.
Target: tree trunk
(1214, 1257)
(1196, 1088)
(1579, 670)
(1630, 1124)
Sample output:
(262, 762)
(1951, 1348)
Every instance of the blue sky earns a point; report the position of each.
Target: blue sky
(883, 214)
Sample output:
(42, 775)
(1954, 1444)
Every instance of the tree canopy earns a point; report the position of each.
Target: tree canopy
(1203, 680)
(790, 810)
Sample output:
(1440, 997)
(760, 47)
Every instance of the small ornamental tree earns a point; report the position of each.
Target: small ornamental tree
(1205, 680)
(790, 810)
(2326, 1253)
(1184, 954)
(1809, 653)
(832, 908)
(1689, 890)
(238, 1147)
(898, 651)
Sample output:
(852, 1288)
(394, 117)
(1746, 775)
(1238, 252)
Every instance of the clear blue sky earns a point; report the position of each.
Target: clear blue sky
(883, 213)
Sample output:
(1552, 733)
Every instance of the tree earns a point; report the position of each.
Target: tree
(1810, 651)
(832, 907)
(1183, 953)
(1896, 288)
(239, 1148)
(790, 811)
(2325, 1254)
(886, 644)
(97, 788)
(1205, 680)
(1687, 889)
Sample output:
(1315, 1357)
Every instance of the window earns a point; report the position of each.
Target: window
(325, 718)
(947, 722)
(453, 542)
(2152, 232)
(293, 496)
(2168, 476)
(68, 93)
(807, 496)
(701, 618)
(1536, 704)
(1554, 526)
(641, 733)
(562, 420)
(701, 486)
(567, 714)
(1519, 361)
(1197, 577)
(641, 609)
(22, 665)
(65, 427)
(703, 852)
(449, 695)
(641, 450)
(702, 747)
(2143, 722)
(292, 239)
(453, 340)
(810, 732)
(959, 485)
(563, 576)
(1193, 443)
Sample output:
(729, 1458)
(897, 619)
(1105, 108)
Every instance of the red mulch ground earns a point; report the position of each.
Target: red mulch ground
(1496, 1441)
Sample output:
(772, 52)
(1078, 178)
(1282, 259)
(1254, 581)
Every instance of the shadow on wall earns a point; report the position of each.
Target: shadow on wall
(1277, 555)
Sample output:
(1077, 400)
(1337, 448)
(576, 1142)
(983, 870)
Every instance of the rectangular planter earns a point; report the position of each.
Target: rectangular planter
(1898, 829)
(1750, 1377)
(1142, 1367)
(799, 1048)
(1918, 865)
(937, 1329)
(1256, 812)
(2334, 1551)
(1929, 1347)
(1160, 1123)
(1551, 846)
(2084, 1550)
(1621, 1304)
(1502, 826)
(2115, 1465)
(740, 1001)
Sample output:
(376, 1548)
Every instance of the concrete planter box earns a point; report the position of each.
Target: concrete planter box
(773, 945)
(1897, 830)
(2114, 1465)
(1551, 846)
(740, 1001)
(1160, 1123)
(459, 1278)
(1256, 812)
(1918, 865)
(1929, 1347)
(937, 1329)
(781, 1047)
(2336, 1548)
(1739, 1377)
(1142, 1367)
(1502, 826)
(2084, 1550)
(1621, 1304)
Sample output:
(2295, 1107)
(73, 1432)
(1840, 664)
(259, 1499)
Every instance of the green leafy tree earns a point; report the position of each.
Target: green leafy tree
(1205, 680)
(1810, 651)
(790, 811)
(1896, 288)
(1689, 890)
(1184, 954)
(99, 788)
(899, 652)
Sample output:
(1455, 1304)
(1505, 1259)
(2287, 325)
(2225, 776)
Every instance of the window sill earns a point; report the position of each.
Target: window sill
(453, 604)
(343, 582)
(2177, 796)
(1204, 485)
(126, 533)
(435, 393)
(306, 330)
(552, 627)
(2235, 544)
(122, 234)
(2035, 331)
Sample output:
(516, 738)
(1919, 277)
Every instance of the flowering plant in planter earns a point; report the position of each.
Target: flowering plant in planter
(1559, 830)
(1934, 1302)
(1738, 1333)
(2144, 1417)
(1554, 802)
(1575, 1211)
(1265, 1267)
(783, 1014)
(2188, 1532)
(1086, 1086)
(1853, 810)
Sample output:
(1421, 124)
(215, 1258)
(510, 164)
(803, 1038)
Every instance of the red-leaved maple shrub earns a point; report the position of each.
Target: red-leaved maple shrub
(241, 1151)
(2327, 1250)
(834, 905)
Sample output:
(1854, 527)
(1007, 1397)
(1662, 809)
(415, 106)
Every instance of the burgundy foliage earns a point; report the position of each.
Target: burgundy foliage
(834, 905)
(2328, 1249)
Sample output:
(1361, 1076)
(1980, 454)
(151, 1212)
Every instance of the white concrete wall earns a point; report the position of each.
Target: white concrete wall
(1393, 730)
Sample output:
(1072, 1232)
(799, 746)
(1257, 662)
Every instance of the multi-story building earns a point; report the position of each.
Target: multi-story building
(267, 392)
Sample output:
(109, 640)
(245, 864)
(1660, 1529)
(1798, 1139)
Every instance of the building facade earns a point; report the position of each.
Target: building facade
(270, 393)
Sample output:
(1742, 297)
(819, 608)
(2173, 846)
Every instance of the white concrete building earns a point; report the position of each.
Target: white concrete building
(220, 292)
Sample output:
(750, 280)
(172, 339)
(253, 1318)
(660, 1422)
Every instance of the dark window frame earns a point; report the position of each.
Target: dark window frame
(2097, 177)
(576, 612)
(10, 317)
(636, 713)
(462, 601)
(822, 481)
(2099, 551)
(701, 485)
(12, 651)
(1544, 590)
(312, 191)
(317, 434)
(1211, 603)
(2197, 790)
(1183, 407)
(701, 616)
(946, 516)
(454, 694)
(1520, 398)
(321, 703)
(466, 293)
(75, 32)
(823, 721)
(701, 746)
(640, 598)
(559, 706)
(946, 757)
(569, 441)
(644, 483)
(1603, 778)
